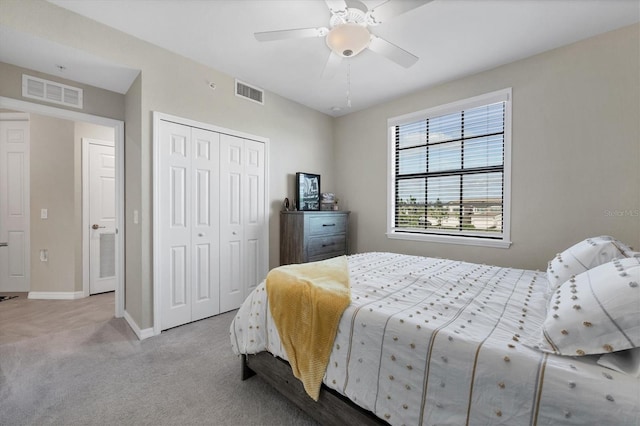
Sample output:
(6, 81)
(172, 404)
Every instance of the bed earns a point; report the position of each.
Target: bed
(429, 341)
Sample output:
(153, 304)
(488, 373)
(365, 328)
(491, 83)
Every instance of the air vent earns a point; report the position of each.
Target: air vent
(50, 91)
(249, 92)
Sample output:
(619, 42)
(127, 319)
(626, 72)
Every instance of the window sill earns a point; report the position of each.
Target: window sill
(448, 239)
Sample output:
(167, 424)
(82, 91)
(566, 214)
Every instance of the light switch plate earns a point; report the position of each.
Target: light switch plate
(44, 213)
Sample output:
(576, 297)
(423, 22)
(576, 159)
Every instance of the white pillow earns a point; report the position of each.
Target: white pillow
(626, 362)
(583, 256)
(596, 312)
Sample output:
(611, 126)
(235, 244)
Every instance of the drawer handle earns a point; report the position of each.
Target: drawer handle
(327, 245)
(328, 224)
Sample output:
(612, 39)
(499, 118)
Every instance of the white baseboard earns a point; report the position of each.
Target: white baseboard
(56, 295)
(142, 334)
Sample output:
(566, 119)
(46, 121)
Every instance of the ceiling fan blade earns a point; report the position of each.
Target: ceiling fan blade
(286, 34)
(392, 52)
(336, 5)
(391, 8)
(331, 66)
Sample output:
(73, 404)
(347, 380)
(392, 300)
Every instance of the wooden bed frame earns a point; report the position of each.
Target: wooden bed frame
(331, 408)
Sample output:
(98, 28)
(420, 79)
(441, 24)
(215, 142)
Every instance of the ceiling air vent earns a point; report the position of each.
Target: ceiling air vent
(50, 91)
(249, 92)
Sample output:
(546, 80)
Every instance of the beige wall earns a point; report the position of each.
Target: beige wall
(56, 184)
(52, 188)
(133, 199)
(576, 152)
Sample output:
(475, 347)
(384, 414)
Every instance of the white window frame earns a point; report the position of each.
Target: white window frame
(503, 95)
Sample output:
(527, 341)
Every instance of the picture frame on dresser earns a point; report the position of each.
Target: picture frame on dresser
(307, 191)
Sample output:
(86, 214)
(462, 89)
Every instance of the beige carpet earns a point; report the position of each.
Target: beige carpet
(101, 374)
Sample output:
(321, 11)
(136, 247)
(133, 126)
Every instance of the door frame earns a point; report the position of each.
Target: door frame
(118, 126)
(86, 234)
(157, 117)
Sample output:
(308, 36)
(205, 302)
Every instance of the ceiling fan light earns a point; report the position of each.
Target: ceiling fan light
(348, 39)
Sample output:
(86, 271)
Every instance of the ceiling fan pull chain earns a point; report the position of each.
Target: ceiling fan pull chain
(349, 85)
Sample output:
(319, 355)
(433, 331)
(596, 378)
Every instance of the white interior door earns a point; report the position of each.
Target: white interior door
(14, 205)
(102, 217)
(189, 223)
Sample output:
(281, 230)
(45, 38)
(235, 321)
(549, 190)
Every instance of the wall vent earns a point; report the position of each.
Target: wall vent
(249, 92)
(50, 91)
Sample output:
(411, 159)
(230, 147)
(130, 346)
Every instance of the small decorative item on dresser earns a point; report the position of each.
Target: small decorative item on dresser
(285, 205)
(327, 201)
(308, 191)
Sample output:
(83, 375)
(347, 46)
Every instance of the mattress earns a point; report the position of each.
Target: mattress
(428, 341)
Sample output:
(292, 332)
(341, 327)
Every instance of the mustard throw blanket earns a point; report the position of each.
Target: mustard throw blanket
(306, 302)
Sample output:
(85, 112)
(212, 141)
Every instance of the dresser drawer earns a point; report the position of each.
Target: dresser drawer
(325, 256)
(328, 244)
(309, 236)
(327, 224)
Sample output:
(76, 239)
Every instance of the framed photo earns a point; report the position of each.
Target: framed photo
(307, 191)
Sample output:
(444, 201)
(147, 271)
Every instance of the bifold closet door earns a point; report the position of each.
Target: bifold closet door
(242, 219)
(189, 221)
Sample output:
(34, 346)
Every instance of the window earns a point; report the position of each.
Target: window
(449, 172)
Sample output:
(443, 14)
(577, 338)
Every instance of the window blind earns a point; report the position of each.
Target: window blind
(449, 173)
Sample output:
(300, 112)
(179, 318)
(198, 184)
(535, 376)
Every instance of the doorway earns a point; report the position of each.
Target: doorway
(118, 127)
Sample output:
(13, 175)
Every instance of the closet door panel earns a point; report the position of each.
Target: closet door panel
(232, 285)
(178, 283)
(175, 238)
(178, 198)
(254, 214)
(205, 231)
(233, 205)
(232, 258)
(253, 274)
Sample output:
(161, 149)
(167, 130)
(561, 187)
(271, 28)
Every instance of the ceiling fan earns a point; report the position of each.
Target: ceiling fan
(349, 31)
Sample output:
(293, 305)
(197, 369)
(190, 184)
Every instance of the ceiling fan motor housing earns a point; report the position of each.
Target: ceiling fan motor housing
(348, 39)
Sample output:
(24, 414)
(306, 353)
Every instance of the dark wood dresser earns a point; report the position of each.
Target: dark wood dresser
(309, 236)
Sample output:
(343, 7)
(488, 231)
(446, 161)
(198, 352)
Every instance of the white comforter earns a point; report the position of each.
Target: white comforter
(430, 341)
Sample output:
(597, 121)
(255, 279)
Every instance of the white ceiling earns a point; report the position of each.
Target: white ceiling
(452, 38)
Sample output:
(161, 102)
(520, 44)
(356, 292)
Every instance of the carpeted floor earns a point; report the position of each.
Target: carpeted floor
(102, 375)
